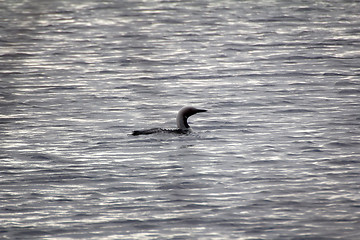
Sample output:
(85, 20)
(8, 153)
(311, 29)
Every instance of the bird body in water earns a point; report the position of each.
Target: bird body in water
(181, 121)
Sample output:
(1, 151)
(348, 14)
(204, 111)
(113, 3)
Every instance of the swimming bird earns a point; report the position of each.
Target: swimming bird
(181, 121)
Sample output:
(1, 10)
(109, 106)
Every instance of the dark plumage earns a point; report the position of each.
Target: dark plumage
(181, 120)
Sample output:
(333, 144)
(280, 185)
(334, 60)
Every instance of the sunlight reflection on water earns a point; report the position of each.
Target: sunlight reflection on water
(275, 156)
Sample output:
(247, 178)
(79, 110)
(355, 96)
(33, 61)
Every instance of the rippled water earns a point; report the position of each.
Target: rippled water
(275, 157)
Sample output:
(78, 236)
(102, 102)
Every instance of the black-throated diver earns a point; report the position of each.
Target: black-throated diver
(181, 121)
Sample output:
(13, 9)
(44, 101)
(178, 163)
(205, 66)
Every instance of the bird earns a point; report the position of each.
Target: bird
(181, 121)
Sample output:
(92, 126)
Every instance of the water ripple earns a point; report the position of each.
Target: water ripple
(275, 157)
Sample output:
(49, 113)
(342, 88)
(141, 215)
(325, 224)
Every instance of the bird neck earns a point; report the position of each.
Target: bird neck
(182, 123)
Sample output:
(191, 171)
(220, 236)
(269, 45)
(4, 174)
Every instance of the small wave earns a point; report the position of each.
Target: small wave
(342, 144)
(300, 110)
(15, 55)
(182, 185)
(349, 91)
(312, 149)
(61, 88)
(345, 83)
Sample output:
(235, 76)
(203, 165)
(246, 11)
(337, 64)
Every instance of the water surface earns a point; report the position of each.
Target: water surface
(275, 157)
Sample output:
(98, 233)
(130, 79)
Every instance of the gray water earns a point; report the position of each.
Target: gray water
(277, 155)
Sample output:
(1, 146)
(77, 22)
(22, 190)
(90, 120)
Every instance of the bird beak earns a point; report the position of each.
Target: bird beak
(201, 110)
